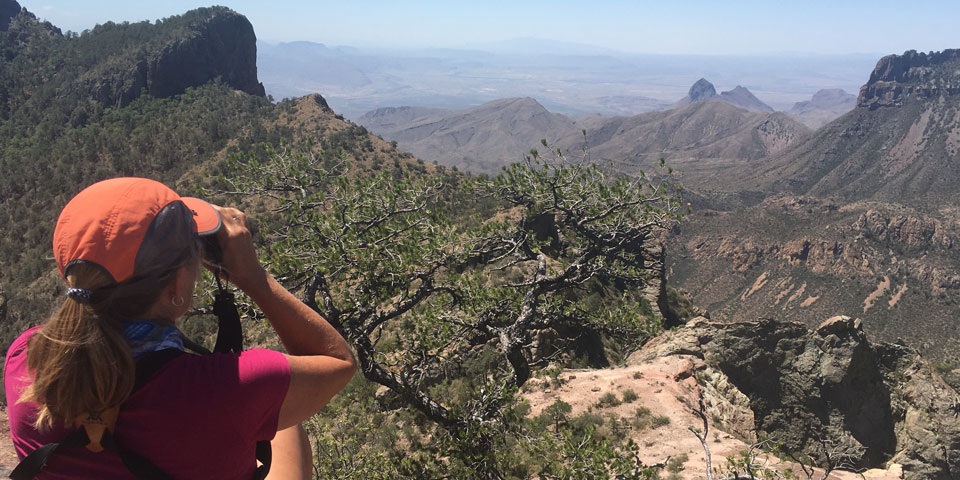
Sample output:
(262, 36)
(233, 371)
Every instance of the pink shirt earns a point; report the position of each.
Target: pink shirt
(199, 417)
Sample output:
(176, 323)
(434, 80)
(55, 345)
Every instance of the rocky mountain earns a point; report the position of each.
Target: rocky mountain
(484, 138)
(479, 139)
(698, 139)
(823, 107)
(704, 91)
(803, 258)
(114, 62)
(901, 143)
(829, 392)
(216, 44)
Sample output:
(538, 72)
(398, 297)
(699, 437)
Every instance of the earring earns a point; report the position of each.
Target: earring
(178, 302)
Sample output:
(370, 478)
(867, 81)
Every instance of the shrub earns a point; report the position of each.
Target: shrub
(660, 421)
(608, 399)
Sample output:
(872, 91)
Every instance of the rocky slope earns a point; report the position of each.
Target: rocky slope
(829, 393)
(900, 144)
(479, 139)
(697, 138)
(825, 106)
(798, 258)
(704, 91)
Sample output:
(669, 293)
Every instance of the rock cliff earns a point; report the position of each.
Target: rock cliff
(8, 10)
(828, 392)
(223, 45)
(920, 75)
(900, 144)
(216, 43)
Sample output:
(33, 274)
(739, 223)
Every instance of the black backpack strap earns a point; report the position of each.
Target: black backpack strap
(142, 468)
(149, 364)
(229, 331)
(30, 466)
(265, 456)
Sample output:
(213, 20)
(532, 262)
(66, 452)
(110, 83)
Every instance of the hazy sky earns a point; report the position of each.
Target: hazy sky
(662, 26)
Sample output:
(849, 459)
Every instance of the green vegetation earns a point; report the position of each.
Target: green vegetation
(60, 134)
(454, 290)
(608, 400)
(660, 421)
(440, 281)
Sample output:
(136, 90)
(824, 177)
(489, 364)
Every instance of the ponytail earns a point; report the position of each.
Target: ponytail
(81, 361)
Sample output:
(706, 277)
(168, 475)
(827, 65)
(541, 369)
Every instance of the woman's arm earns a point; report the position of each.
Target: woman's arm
(321, 361)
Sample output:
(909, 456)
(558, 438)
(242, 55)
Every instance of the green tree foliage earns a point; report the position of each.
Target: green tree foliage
(441, 281)
(58, 133)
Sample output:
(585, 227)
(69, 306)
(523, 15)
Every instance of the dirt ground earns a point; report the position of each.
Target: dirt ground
(8, 456)
(667, 388)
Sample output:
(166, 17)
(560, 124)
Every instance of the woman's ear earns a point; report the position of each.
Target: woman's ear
(180, 290)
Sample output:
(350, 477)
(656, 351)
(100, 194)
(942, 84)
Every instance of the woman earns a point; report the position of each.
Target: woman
(129, 250)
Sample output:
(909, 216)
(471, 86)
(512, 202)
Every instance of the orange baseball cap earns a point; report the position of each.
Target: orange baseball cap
(126, 225)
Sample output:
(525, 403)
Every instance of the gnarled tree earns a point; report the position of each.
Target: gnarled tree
(429, 275)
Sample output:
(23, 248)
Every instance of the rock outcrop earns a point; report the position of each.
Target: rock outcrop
(224, 45)
(219, 44)
(827, 392)
(912, 74)
(704, 91)
(8, 10)
(701, 91)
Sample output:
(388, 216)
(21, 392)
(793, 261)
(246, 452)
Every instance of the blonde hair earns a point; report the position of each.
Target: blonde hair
(81, 360)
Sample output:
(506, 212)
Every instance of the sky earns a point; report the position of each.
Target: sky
(697, 27)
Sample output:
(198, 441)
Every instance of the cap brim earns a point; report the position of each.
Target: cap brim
(207, 218)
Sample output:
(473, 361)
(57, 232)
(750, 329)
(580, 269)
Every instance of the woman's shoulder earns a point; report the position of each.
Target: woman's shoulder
(224, 372)
(19, 345)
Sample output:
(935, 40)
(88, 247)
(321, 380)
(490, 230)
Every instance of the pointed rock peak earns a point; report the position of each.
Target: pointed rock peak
(830, 94)
(8, 10)
(702, 90)
(319, 102)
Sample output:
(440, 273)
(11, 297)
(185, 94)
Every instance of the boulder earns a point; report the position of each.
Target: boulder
(829, 393)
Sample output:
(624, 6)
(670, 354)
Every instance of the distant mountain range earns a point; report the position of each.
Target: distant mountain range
(570, 79)
(705, 127)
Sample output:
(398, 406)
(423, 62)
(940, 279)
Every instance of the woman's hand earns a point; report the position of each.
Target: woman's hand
(240, 264)
(321, 362)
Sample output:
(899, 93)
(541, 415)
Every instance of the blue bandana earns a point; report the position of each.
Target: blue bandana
(146, 336)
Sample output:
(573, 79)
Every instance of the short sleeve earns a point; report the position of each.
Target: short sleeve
(246, 391)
